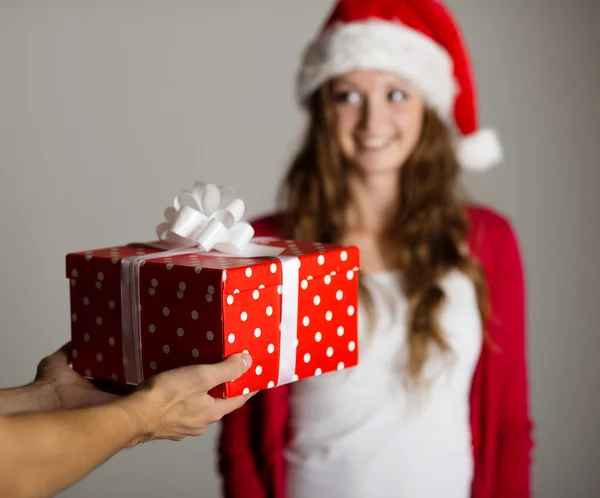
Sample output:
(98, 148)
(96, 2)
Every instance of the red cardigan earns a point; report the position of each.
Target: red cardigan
(253, 438)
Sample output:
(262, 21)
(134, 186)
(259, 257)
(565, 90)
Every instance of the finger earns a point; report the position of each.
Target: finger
(226, 406)
(230, 369)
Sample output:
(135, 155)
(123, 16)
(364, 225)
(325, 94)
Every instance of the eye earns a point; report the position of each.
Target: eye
(347, 97)
(397, 96)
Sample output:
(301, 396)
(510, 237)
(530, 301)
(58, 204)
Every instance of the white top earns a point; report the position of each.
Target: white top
(359, 433)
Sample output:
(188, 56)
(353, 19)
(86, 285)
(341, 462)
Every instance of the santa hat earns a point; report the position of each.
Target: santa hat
(417, 39)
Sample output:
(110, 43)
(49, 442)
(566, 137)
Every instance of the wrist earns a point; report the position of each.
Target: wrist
(34, 397)
(140, 415)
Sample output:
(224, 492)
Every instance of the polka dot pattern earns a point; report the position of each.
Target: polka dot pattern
(327, 293)
(196, 308)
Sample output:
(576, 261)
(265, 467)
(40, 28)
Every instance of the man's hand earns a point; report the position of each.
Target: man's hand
(44, 452)
(176, 404)
(71, 390)
(56, 386)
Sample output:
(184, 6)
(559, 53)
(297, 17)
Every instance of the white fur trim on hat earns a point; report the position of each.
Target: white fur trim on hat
(380, 45)
(479, 151)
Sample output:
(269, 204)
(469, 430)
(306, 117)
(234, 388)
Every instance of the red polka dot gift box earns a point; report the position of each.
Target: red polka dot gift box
(207, 289)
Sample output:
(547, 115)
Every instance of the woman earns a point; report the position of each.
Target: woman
(438, 405)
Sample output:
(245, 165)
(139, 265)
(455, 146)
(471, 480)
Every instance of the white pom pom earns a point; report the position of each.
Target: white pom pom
(479, 151)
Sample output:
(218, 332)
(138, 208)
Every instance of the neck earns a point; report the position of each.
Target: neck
(373, 203)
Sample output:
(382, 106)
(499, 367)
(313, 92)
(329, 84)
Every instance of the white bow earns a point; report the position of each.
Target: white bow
(209, 217)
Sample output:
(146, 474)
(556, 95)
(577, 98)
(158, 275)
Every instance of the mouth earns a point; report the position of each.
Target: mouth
(374, 144)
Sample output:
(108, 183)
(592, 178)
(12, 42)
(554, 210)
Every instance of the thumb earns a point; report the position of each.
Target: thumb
(229, 369)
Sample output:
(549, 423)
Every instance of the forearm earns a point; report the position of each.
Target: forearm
(43, 453)
(33, 397)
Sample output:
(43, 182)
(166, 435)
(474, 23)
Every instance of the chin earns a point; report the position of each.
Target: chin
(373, 166)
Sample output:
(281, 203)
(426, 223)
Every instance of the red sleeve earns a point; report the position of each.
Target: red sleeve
(236, 460)
(513, 462)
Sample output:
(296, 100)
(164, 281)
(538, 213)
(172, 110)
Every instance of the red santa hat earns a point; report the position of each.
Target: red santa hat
(420, 41)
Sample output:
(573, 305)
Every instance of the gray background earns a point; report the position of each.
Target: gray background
(108, 109)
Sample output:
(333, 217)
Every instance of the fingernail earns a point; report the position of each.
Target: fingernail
(247, 359)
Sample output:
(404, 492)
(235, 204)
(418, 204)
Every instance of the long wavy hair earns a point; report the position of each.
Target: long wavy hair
(430, 229)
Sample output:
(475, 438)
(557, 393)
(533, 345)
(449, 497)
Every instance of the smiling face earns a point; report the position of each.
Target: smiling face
(378, 120)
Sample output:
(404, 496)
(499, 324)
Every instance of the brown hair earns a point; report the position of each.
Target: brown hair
(430, 229)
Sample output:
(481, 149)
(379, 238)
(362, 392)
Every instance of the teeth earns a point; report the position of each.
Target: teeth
(373, 143)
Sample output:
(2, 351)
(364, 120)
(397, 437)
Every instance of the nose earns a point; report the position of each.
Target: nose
(375, 114)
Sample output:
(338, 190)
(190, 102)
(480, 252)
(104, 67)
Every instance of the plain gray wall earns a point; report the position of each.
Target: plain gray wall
(108, 109)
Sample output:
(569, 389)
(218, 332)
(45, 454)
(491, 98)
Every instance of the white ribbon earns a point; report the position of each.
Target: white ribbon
(289, 319)
(207, 221)
(209, 217)
(130, 312)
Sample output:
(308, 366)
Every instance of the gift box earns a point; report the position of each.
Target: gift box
(193, 297)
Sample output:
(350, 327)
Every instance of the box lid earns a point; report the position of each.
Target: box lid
(316, 260)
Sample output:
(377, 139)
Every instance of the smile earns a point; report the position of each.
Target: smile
(374, 144)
